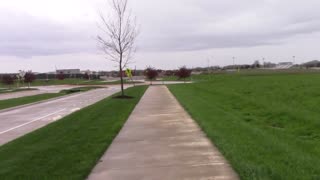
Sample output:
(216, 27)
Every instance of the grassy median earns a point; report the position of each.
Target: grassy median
(69, 148)
(9, 103)
(267, 126)
(71, 81)
(4, 90)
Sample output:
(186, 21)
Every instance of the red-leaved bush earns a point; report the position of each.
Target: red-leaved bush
(151, 73)
(61, 76)
(183, 73)
(29, 77)
(86, 76)
(7, 80)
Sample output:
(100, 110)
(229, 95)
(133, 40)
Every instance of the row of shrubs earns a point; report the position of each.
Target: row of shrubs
(181, 73)
(74, 76)
(150, 73)
(28, 77)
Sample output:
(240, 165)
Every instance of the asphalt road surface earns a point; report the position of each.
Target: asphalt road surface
(18, 122)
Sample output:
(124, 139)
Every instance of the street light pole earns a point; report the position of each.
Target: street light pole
(208, 61)
(234, 65)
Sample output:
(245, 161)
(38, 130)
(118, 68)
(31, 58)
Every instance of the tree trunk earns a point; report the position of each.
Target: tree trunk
(121, 76)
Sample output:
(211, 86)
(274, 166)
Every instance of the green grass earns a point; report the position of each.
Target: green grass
(69, 81)
(174, 78)
(79, 89)
(2, 91)
(9, 103)
(74, 82)
(267, 126)
(69, 148)
(245, 72)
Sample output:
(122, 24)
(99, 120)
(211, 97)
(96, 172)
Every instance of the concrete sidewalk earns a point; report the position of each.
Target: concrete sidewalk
(161, 142)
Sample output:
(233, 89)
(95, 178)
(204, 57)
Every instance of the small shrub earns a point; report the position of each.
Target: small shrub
(183, 73)
(151, 74)
(7, 80)
(71, 91)
(61, 76)
(86, 76)
(29, 77)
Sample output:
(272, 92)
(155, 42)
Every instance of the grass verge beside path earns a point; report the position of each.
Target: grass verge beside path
(9, 103)
(69, 148)
(266, 126)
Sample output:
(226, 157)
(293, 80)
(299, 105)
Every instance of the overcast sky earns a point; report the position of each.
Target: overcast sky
(40, 35)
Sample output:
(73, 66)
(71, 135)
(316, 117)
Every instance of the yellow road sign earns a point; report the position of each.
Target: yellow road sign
(129, 72)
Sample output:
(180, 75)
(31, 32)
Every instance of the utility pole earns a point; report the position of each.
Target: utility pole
(191, 73)
(208, 61)
(234, 65)
(294, 60)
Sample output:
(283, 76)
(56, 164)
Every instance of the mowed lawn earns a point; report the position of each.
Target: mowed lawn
(267, 126)
(67, 81)
(4, 90)
(9, 103)
(71, 81)
(68, 148)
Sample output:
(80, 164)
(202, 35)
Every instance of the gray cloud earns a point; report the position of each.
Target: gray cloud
(166, 25)
(25, 35)
(196, 25)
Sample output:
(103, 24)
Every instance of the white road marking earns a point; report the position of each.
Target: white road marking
(21, 125)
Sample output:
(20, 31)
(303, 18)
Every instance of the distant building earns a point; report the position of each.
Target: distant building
(68, 71)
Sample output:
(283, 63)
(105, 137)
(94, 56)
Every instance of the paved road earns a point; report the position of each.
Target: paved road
(16, 123)
(160, 141)
(41, 90)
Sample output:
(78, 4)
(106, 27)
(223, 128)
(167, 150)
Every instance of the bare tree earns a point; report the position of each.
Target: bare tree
(29, 77)
(119, 32)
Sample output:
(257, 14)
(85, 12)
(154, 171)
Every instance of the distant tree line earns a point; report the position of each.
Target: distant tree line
(44, 76)
(182, 73)
(311, 64)
(24, 77)
(28, 77)
(73, 76)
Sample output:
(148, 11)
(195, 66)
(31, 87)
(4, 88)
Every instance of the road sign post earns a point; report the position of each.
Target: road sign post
(129, 75)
